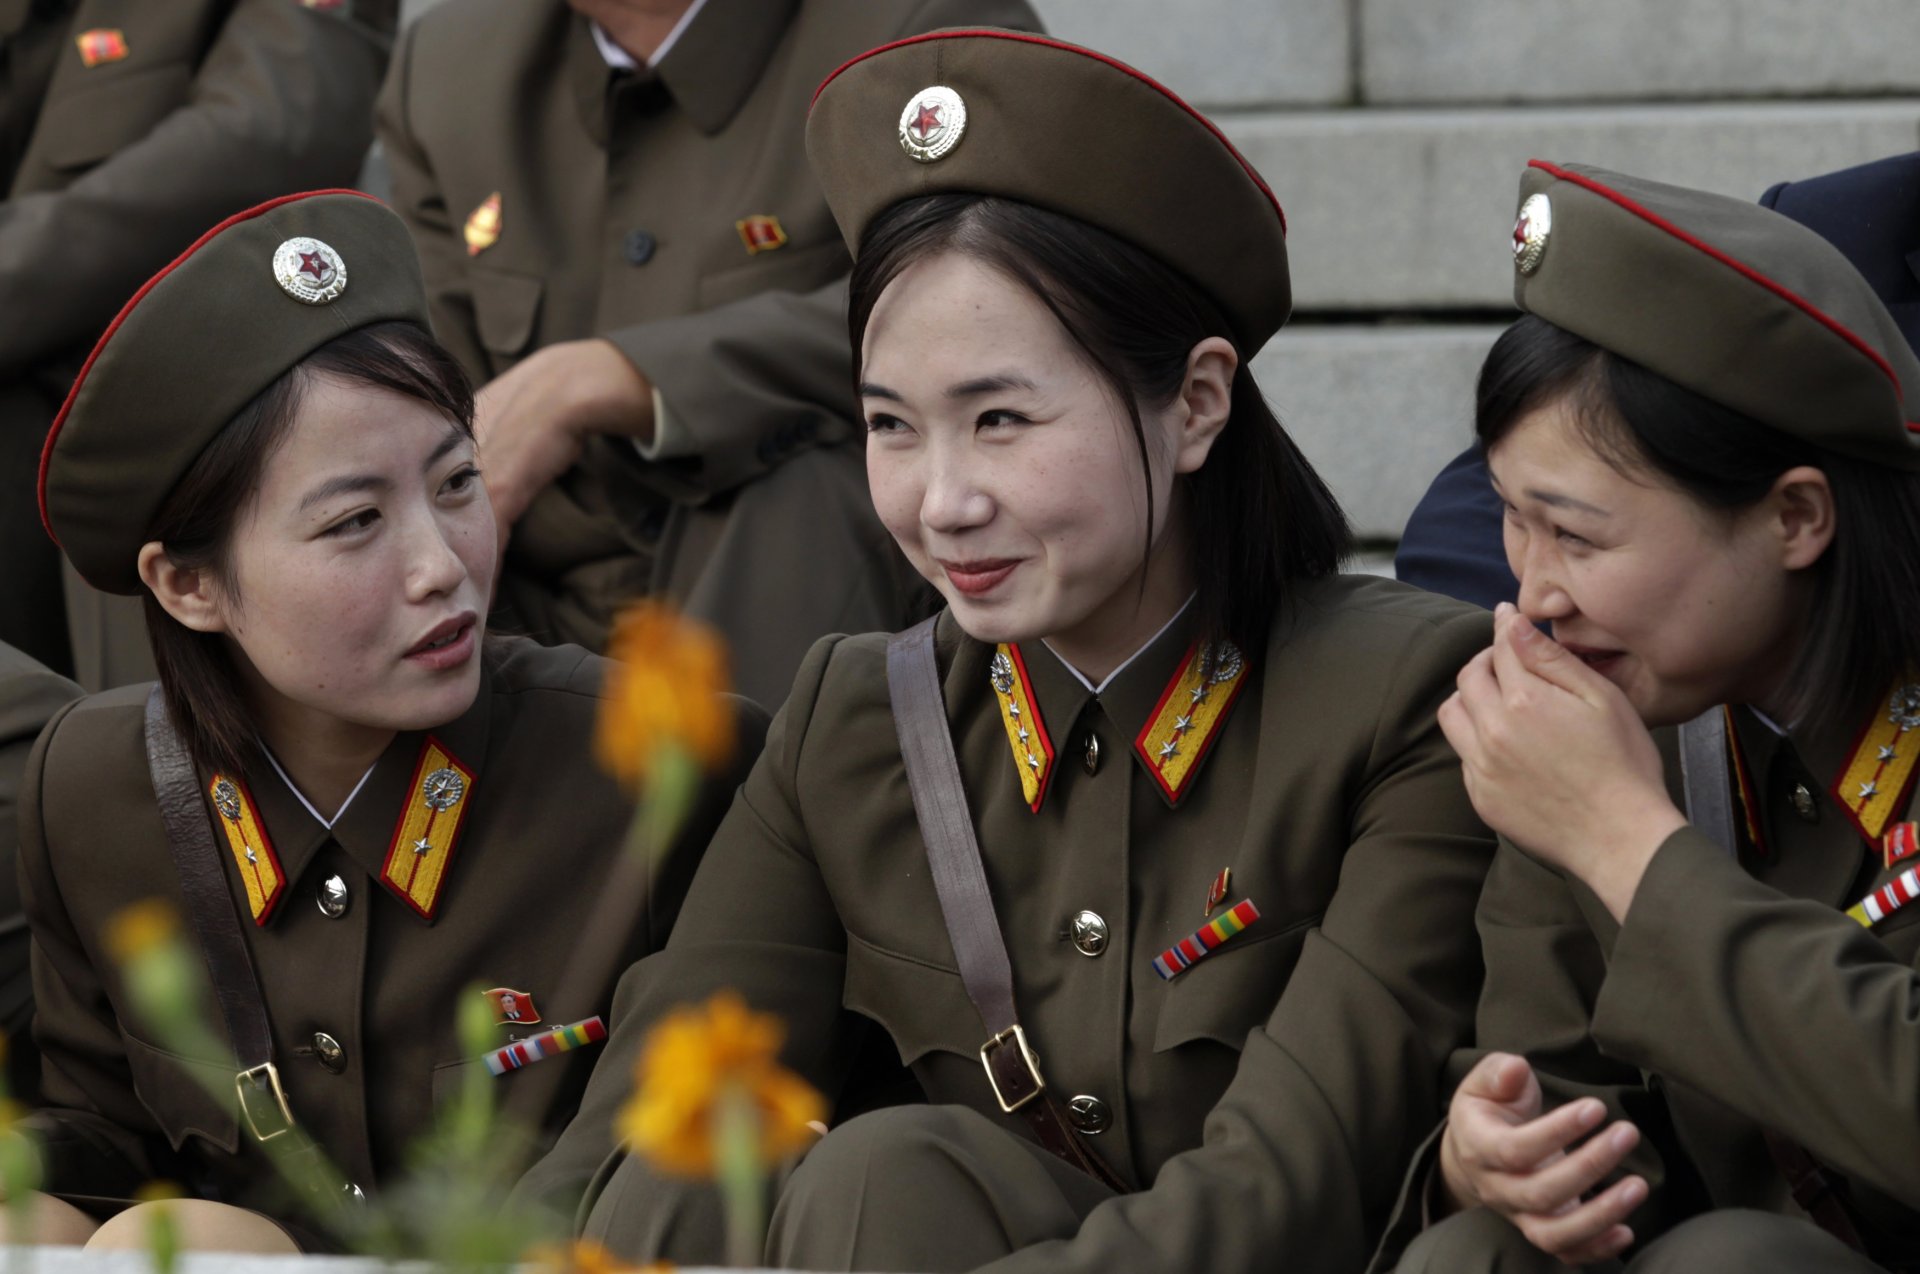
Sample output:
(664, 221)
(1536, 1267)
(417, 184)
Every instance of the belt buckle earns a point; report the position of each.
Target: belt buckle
(251, 1083)
(1017, 1036)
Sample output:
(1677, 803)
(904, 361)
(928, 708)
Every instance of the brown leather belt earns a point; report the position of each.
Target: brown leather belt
(960, 881)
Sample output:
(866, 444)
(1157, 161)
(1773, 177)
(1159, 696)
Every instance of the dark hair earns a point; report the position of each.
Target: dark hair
(196, 523)
(1641, 423)
(1262, 518)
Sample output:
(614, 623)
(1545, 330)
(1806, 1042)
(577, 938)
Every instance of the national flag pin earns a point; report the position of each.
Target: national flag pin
(761, 233)
(100, 46)
(511, 1007)
(1217, 891)
(482, 230)
(1901, 842)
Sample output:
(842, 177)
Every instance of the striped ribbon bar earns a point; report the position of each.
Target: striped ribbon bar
(1189, 951)
(536, 1048)
(1887, 899)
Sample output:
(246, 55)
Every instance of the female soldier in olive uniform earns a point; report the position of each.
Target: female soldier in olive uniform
(381, 809)
(1710, 479)
(1226, 848)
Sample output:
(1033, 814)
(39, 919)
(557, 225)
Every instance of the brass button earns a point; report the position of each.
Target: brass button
(1089, 1115)
(327, 1051)
(1092, 760)
(1089, 933)
(332, 897)
(1805, 804)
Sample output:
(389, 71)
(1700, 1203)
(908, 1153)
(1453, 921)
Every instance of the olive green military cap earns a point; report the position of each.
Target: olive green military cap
(250, 299)
(1022, 117)
(1736, 302)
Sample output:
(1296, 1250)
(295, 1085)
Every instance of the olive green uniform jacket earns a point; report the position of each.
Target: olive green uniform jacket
(1736, 997)
(619, 196)
(540, 829)
(29, 696)
(1269, 1095)
(111, 170)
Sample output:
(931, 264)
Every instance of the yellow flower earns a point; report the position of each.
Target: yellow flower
(694, 1058)
(139, 930)
(664, 690)
(584, 1256)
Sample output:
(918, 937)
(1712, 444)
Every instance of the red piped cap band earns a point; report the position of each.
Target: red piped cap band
(1736, 302)
(1023, 117)
(199, 341)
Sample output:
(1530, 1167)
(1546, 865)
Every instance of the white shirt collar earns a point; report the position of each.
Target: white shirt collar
(621, 60)
(300, 796)
(1078, 676)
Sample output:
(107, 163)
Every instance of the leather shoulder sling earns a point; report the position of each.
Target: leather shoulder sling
(953, 854)
(209, 904)
(1709, 796)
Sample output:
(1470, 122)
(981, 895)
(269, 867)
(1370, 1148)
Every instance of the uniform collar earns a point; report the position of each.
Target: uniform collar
(1152, 697)
(369, 826)
(709, 65)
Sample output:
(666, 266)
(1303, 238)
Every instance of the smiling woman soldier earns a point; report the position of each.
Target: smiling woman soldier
(1155, 819)
(362, 805)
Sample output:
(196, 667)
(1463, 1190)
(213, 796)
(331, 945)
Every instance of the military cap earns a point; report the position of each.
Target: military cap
(1736, 302)
(1047, 123)
(250, 299)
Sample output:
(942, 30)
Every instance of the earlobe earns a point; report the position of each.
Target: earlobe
(1206, 397)
(1804, 515)
(187, 595)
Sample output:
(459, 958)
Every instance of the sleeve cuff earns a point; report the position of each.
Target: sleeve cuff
(669, 438)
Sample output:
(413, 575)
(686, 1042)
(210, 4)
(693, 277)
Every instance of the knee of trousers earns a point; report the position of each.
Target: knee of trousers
(645, 1215)
(1477, 1241)
(1748, 1241)
(903, 1150)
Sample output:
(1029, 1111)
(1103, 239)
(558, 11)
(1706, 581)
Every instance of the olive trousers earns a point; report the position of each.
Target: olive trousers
(922, 1188)
(1732, 1240)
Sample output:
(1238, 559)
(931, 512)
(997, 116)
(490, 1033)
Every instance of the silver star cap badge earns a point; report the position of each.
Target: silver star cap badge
(1530, 232)
(309, 271)
(932, 124)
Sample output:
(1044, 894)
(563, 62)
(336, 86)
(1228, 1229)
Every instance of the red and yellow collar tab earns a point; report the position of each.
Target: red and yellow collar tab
(428, 829)
(1179, 733)
(1876, 780)
(261, 875)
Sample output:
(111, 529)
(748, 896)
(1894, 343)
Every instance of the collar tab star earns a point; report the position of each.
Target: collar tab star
(428, 830)
(1026, 731)
(261, 875)
(1186, 722)
(1876, 781)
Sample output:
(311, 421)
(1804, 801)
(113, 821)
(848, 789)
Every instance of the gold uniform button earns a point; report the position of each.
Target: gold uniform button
(1092, 760)
(1089, 1115)
(327, 1051)
(1089, 933)
(333, 897)
(1804, 803)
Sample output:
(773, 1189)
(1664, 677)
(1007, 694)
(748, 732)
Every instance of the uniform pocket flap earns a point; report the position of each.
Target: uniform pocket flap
(505, 308)
(922, 1006)
(1225, 996)
(794, 268)
(84, 128)
(186, 1096)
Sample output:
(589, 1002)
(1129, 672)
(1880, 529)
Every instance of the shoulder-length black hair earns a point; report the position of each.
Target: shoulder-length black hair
(1855, 644)
(196, 523)
(1262, 518)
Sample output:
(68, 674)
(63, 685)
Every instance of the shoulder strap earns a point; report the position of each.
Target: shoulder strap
(960, 881)
(209, 904)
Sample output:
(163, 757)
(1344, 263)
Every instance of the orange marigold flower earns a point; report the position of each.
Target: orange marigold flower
(665, 688)
(139, 930)
(693, 1058)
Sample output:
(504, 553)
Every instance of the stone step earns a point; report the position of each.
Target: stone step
(1412, 209)
(1378, 410)
(1598, 50)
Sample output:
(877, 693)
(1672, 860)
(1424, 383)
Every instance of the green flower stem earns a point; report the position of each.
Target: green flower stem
(736, 1159)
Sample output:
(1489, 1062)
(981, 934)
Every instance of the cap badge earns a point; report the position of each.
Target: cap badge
(1530, 231)
(310, 271)
(932, 124)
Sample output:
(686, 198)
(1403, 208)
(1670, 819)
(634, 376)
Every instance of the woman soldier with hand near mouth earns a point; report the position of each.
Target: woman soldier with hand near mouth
(1708, 1046)
(360, 805)
(1155, 820)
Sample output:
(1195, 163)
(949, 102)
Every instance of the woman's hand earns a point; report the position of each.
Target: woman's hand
(1500, 1152)
(1556, 760)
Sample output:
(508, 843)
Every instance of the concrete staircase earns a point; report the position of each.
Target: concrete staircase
(1394, 132)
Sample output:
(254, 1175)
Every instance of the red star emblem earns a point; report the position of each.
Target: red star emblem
(315, 264)
(1520, 229)
(927, 121)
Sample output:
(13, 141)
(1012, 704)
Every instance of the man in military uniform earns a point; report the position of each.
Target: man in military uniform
(622, 240)
(126, 130)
